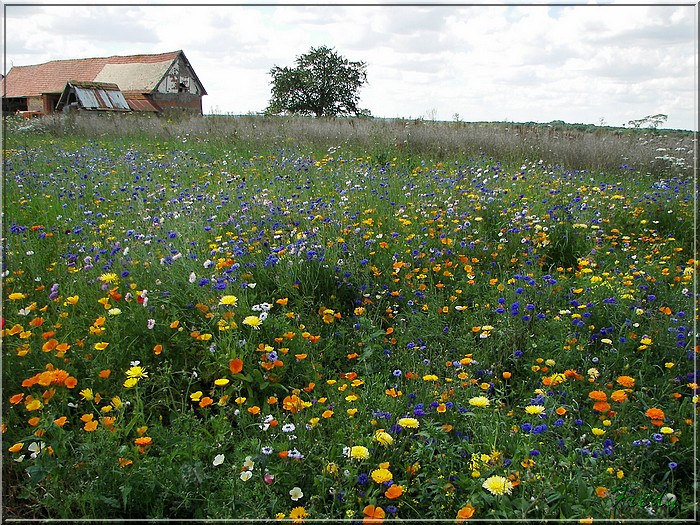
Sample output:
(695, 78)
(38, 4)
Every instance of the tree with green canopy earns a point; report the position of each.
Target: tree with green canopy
(323, 83)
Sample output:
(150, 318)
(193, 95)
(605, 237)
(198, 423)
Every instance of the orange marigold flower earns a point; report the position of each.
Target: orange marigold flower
(618, 396)
(598, 395)
(626, 381)
(601, 406)
(655, 413)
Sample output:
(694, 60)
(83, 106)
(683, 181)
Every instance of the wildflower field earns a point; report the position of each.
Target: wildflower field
(206, 327)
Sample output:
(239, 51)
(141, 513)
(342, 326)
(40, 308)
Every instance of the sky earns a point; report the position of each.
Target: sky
(602, 63)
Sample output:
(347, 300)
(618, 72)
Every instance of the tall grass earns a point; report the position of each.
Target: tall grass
(574, 146)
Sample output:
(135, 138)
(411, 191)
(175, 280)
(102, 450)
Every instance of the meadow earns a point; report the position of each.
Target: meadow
(297, 320)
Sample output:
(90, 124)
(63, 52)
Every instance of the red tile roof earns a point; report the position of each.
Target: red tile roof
(51, 77)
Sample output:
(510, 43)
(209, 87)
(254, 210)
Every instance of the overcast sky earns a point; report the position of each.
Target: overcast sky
(581, 63)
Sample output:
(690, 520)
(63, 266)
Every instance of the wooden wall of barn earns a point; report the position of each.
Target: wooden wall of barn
(178, 101)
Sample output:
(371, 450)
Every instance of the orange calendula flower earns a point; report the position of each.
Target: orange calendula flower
(655, 413)
(626, 381)
(598, 395)
(618, 396)
(16, 447)
(394, 491)
(124, 462)
(236, 366)
(17, 398)
(601, 406)
(465, 513)
(292, 403)
(373, 514)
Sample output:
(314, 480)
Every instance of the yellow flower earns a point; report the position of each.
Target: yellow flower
(34, 404)
(110, 278)
(136, 372)
(297, 514)
(101, 346)
(408, 422)
(221, 382)
(479, 401)
(87, 394)
(598, 431)
(498, 485)
(16, 296)
(253, 321)
(229, 300)
(131, 382)
(666, 430)
(359, 452)
(534, 409)
(383, 438)
(382, 475)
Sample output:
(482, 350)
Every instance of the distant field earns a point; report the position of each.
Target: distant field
(293, 319)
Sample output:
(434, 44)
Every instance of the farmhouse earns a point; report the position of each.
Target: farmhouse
(153, 83)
